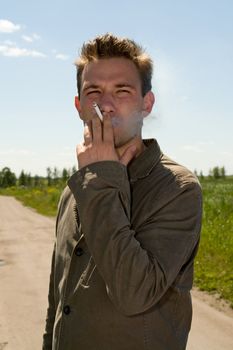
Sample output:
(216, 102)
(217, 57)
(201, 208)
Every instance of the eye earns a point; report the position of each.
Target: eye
(93, 92)
(123, 91)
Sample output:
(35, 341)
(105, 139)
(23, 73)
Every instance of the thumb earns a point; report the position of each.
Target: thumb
(128, 155)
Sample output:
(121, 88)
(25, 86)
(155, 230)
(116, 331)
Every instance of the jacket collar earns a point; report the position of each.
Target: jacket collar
(141, 166)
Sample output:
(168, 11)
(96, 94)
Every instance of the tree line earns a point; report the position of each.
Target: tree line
(55, 177)
(214, 173)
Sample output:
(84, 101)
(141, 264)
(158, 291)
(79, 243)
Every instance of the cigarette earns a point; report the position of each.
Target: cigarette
(98, 112)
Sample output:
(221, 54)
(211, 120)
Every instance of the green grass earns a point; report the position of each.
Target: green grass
(214, 262)
(44, 200)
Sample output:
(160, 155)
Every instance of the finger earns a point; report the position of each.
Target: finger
(108, 135)
(97, 130)
(80, 148)
(80, 152)
(128, 155)
(87, 133)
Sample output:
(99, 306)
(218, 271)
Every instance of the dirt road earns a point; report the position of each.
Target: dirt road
(26, 241)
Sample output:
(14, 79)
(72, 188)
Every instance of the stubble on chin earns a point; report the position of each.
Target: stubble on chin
(122, 144)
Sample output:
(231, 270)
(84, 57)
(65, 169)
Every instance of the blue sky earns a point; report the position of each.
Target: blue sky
(191, 43)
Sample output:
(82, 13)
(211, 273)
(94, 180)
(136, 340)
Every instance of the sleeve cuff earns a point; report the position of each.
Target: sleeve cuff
(105, 173)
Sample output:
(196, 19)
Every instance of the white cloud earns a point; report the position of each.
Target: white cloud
(184, 98)
(199, 147)
(27, 38)
(30, 38)
(62, 57)
(8, 27)
(36, 36)
(9, 43)
(226, 153)
(18, 152)
(67, 151)
(14, 51)
(193, 148)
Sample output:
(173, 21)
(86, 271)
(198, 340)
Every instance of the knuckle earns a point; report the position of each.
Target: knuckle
(87, 133)
(98, 126)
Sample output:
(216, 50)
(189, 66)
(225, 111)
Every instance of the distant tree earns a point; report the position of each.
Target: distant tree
(22, 179)
(49, 176)
(7, 178)
(201, 176)
(29, 179)
(216, 172)
(222, 172)
(65, 175)
(55, 176)
(36, 182)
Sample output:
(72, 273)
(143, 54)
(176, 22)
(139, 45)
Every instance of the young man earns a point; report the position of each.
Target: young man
(128, 223)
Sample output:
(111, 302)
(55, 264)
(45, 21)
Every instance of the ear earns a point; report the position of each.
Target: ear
(77, 104)
(148, 102)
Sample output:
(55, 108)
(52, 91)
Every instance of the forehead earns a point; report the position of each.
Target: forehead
(113, 70)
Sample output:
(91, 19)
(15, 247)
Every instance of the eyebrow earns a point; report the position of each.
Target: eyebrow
(92, 86)
(120, 85)
(125, 85)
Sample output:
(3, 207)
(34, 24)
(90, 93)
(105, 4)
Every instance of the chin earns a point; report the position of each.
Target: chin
(122, 142)
(119, 143)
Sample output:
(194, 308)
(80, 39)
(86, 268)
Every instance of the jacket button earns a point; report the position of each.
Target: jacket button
(66, 309)
(78, 251)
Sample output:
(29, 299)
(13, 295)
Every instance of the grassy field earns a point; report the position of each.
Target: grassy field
(214, 262)
(44, 200)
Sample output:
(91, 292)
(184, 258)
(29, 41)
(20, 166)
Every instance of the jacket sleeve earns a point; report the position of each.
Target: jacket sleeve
(48, 334)
(137, 267)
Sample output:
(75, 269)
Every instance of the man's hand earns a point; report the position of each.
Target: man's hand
(98, 144)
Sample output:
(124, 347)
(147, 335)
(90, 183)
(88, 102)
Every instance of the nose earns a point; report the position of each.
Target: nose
(106, 103)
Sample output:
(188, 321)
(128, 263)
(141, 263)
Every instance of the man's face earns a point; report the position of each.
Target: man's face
(114, 84)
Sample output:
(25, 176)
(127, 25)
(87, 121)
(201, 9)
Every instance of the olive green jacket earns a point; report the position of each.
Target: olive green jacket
(122, 265)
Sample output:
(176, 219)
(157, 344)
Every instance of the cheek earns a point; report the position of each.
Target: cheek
(87, 110)
(135, 123)
(130, 107)
(130, 123)
(86, 103)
